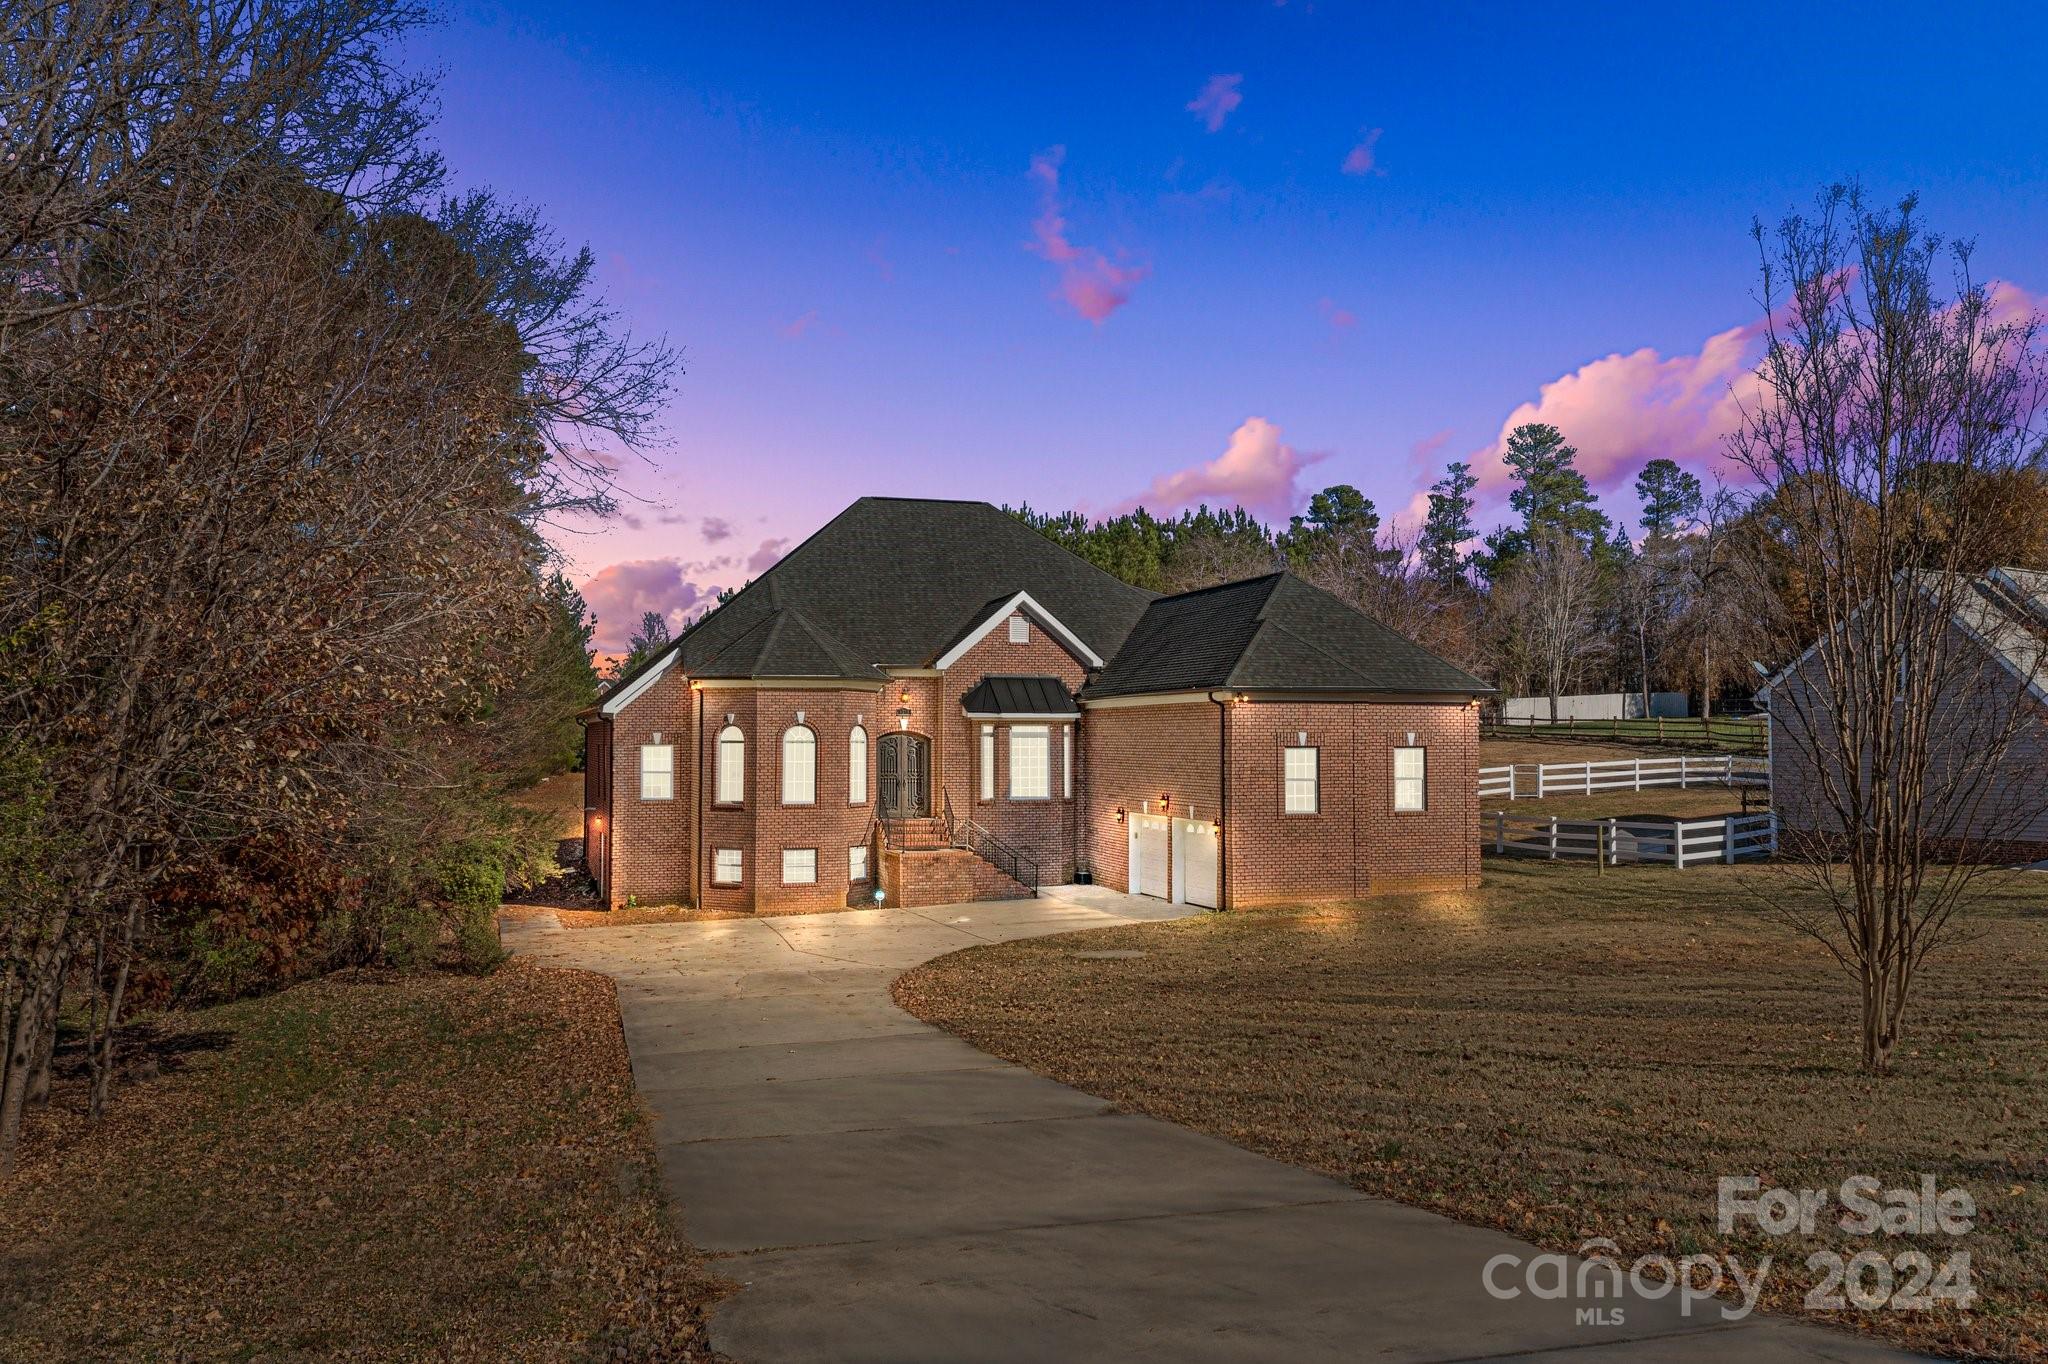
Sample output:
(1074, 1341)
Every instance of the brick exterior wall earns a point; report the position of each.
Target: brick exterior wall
(649, 848)
(1356, 844)
(1140, 753)
(1044, 829)
(762, 827)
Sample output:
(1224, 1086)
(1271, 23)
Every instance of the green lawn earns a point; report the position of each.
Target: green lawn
(1564, 1055)
(370, 1167)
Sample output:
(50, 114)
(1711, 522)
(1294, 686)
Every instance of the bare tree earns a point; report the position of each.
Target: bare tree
(1885, 410)
(1548, 609)
(1383, 575)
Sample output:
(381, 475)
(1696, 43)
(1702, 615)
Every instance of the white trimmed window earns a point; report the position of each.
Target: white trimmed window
(1067, 761)
(857, 767)
(657, 771)
(857, 862)
(799, 766)
(1030, 762)
(1301, 767)
(799, 866)
(732, 766)
(988, 762)
(1410, 767)
(1020, 630)
(725, 867)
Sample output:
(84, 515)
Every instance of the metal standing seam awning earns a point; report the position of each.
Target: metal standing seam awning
(1020, 698)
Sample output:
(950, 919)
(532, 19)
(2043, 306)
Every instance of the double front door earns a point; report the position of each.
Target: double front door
(903, 777)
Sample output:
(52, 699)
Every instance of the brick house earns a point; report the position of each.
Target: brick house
(1986, 789)
(931, 702)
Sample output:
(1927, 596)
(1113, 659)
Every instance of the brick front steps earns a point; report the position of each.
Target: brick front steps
(925, 870)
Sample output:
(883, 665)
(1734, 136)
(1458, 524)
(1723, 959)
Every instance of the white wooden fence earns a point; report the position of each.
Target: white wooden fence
(1534, 781)
(1679, 843)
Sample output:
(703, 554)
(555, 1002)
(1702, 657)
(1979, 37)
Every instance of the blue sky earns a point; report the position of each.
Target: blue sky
(992, 251)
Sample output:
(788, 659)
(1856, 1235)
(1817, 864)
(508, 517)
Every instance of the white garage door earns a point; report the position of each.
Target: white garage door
(1194, 862)
(1151, 854)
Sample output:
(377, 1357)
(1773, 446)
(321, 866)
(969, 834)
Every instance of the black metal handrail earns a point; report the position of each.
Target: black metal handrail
(1013, 862)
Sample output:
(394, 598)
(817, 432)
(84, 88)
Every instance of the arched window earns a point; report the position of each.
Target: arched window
(799, 766)
(732, 766)
(857, 767)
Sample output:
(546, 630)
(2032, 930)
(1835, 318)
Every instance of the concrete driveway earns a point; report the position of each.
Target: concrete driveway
(886, 1192)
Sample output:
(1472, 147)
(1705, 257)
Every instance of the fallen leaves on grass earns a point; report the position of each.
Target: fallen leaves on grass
(436, 1166)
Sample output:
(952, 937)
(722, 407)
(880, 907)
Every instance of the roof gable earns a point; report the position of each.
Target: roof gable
(892, 582)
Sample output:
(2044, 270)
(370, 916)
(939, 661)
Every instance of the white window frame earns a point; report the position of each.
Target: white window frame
(1411, 789)
(857, 862)
(799, 854)
(1037, 767)
(857, 766)
(988, 762)
(732, 774)
(1292, 781)
(665, 770)
(718, 866)
(1066, 762)
(1020, 630)
(800, 777)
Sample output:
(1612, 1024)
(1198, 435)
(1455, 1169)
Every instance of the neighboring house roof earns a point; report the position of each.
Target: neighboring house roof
(1275, 633)
(2005, 611)
(1014, 696)
(892, 582)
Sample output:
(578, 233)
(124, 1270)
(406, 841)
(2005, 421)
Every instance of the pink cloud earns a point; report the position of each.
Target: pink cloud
(765, 558)
(1256, 471)
(1624, 410)
(1090, 283)
(1363, 158)
(1217, 99)
(619, 594)
(1340, 319)
(797, 326)
(715, 528)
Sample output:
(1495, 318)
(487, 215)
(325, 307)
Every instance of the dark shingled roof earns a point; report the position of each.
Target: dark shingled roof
(1274, 633)
(891, 582)
(786, 643)
(1020, 696)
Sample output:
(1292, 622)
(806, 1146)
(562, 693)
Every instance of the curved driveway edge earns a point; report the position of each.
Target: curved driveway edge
(886, 1192)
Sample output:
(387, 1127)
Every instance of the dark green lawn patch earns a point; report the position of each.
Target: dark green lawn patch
(373, 1167)
(1566, 1055)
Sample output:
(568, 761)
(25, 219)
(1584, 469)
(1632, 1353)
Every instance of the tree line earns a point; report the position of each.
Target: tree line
(284, 419)
(1563, 599)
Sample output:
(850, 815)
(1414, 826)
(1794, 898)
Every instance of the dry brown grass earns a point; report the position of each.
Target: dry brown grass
(560, 796)
(1565, 1055)
(368, 1167)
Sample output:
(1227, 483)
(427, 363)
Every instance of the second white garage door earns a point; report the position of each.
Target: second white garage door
(1151, 854)
(1194, 863)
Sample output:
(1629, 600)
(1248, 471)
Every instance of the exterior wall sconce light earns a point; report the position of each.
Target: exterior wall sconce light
(1165, 801)
(903, 696)
(1119, 814)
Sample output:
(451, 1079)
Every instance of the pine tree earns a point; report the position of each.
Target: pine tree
(1550, 492)
(1448, 524)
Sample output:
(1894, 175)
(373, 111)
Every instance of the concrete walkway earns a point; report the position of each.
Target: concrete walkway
(887, 1192)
